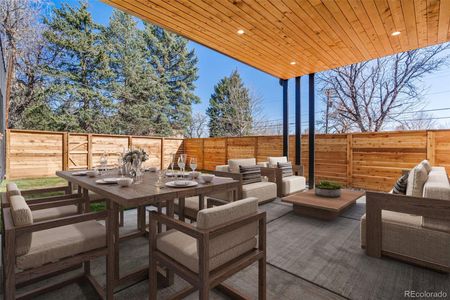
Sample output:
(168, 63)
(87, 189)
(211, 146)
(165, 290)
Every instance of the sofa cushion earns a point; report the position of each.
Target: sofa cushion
(22, 216)
(12, 189)
(183, 248)
(264, 191)
(223, 168)
(273, 161)
(400, 185)
(293, 184)
(54, 213)
(427, 165)
(286, 169)
(403, 234)
(57, 243)
(416, 180)
(235, 163)
(437, 187)
(250, 174)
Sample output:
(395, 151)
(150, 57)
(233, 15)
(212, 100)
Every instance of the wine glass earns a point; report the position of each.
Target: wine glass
(193, 164)
(104, 161)
(182, 163)
(172, 164)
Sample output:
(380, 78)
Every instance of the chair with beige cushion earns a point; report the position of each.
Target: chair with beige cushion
(287, 183)
(265, 191)
(38, 250)
(225, 240)
(414, 227)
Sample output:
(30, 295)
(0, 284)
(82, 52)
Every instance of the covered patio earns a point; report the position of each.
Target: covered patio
(303, 257)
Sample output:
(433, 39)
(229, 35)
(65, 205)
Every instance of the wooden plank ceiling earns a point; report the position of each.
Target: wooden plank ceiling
(288, 38)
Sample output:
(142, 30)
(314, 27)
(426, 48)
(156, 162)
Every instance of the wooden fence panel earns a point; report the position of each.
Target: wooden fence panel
(172, 147)
(111, 145)
(244, 147)
(215, 153)
(269, 146)
(194, 148)
(153, 148)
(78, 151)
(33, 153)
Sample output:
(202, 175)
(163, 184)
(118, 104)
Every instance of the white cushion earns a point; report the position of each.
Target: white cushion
(273, 161)
(56, 243)
(223, 168)
(292, 184)
(437, 187)
(427, 165)
(12, 189)
(235, 163)
(264, 191)
(22, 216)
(416, 180)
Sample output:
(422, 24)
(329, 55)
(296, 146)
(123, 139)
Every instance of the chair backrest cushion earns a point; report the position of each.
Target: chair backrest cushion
(427, 165)
(250, 174)
(223, 168)
(286, 169)
(235, 163)
(437, 187)
(218, 215)
(12, 189)
(273, 161)
(21, 214)
(416, 180)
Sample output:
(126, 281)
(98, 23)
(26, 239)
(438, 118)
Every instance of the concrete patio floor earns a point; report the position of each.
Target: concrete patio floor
(307, 259)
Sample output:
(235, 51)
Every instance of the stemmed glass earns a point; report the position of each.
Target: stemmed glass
(104, 161)
(172, 164)
(182, 163)
(193, 165)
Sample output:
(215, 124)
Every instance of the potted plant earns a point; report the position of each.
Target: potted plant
(328, 189)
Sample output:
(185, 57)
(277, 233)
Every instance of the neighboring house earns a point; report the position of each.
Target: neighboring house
(2, 112)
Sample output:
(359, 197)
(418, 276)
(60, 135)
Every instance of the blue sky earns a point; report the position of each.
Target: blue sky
(214, 66)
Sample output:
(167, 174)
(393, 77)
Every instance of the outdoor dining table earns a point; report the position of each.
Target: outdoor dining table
(139, 196)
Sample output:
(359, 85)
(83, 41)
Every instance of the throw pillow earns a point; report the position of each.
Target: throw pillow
(250, 174)
(400, 185)
(286, 169)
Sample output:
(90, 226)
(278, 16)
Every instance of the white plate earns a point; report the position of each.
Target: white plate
(176, 184)
(80, 173)
(111, 180)
(102, 181)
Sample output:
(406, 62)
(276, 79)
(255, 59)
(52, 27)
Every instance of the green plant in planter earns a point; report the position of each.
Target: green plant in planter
(328, 185)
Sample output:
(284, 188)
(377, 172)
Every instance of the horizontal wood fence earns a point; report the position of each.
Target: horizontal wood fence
(371, 161)
(31, 154)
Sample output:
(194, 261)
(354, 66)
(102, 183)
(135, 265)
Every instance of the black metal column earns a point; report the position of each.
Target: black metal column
(284, 83)
(298, 127)
(312, 132)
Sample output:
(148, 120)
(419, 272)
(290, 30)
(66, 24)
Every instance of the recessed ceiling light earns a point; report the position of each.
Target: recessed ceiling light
(240, 31)
(395, 33)
(293, 62)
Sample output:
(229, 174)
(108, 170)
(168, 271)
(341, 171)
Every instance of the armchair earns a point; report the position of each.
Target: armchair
(286, 184)
(222, 243)
(38, 250)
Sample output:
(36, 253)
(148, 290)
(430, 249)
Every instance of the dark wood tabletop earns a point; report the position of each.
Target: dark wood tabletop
(146, 193)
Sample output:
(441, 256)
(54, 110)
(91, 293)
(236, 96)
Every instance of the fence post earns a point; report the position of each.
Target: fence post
(65, 148)
(162, 154)
(256, 149)
(226, 151)
(7, 153)
(431, 147)
(349, 159)
(89, 151)
(130, 142)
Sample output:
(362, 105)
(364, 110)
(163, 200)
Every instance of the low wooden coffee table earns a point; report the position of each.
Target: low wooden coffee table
(308, 204)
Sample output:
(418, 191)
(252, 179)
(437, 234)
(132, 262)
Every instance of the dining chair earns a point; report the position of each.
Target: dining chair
(225, 240)
(34, 251)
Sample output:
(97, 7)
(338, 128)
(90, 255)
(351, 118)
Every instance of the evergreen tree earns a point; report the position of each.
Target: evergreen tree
(230, 108)
(176, 70)
(77, 75)
(133, 84)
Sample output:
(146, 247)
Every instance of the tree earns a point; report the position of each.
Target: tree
(176, 71)
(133, 82)
(78, 73)
(369, 95)
(230, 108)
(198, 126)
(20, 34)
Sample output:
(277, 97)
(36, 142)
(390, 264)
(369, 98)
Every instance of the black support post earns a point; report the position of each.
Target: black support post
(284, 83)
(298, 127)
(312, 132)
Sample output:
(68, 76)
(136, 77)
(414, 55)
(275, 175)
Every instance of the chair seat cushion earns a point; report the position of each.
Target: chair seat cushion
(57, 243)
(183, 249)
(403, 234)
(54, 213)
(293, 184)
(264, 191)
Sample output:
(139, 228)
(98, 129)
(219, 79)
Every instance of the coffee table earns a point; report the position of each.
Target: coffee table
(308, 204)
